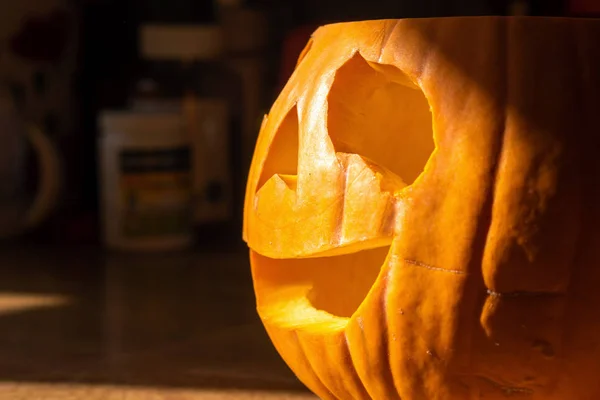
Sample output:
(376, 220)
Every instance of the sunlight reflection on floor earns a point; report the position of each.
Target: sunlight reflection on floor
(37, 391)
(19, 302)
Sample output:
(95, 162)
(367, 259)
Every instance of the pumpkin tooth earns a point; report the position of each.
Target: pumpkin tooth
(366, 207)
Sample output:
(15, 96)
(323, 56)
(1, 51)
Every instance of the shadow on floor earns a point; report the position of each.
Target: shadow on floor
(172, 320)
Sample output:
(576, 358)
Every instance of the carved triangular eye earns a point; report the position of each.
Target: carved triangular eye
(282, 157)
(375, 111)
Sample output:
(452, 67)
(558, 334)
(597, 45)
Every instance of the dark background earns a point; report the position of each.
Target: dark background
(107, 63)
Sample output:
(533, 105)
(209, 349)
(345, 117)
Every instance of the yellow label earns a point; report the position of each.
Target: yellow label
(156, 193)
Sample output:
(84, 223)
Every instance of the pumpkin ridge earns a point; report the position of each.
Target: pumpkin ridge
(537, 209)
(388, 34)
(323, 389)
(352, 367)
(338, 230)
(475, 280)
(385, 326)
(585, 123)
(364, 318)
(328, 373)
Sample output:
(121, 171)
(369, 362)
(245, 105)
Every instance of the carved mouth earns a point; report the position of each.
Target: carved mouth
(310, 290)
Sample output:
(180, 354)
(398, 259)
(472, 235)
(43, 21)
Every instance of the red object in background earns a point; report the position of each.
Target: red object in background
(293, 44)
(583, 7)
(42, 38)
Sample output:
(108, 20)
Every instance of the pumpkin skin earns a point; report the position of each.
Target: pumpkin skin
(423, 210)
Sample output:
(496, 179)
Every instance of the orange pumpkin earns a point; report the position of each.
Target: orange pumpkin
(423, 211)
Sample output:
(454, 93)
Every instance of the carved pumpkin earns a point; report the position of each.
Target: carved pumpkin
(423, 211)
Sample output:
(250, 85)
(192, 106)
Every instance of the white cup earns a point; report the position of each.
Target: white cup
(19, 213)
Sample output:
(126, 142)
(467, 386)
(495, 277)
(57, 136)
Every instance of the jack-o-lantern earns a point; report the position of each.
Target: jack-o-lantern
(423, 211)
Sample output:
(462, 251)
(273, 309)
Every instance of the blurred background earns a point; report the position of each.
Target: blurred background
(126, 132)
(90, 71)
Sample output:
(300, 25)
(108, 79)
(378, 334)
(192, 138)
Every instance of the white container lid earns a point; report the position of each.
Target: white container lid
(181, 42)
(141, 123)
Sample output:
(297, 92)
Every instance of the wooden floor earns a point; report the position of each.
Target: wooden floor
(85, 324)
